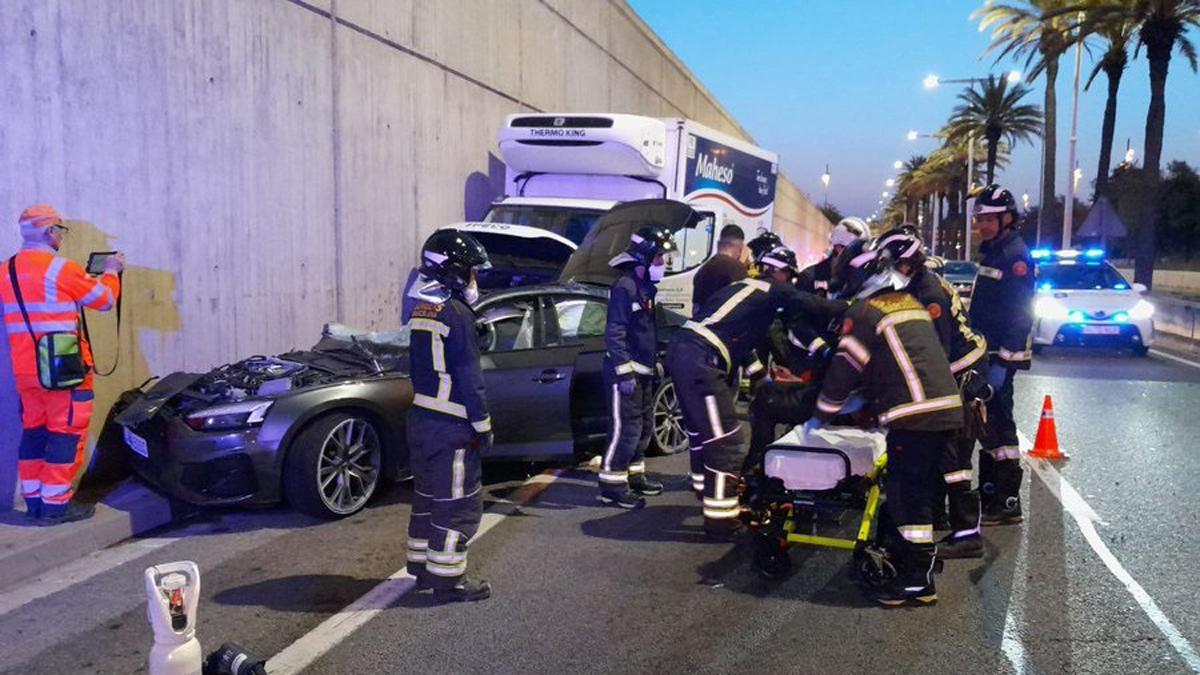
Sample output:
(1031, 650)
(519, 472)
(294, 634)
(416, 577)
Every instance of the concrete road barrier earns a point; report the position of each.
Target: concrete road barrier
(1175, 316)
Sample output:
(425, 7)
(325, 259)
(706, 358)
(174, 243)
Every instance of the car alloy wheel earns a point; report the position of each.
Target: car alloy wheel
(669, 435)
(348, 466)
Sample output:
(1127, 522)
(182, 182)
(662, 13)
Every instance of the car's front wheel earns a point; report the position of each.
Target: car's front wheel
(669, 435)
(334, 465)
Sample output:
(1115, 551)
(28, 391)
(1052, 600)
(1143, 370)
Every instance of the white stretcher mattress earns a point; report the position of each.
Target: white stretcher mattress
(804, 461)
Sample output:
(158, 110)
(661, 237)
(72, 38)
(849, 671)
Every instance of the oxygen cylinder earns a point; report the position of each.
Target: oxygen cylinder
(172, 594)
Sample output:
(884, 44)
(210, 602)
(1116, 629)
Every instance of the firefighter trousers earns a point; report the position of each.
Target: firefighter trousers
(908, 532)
(953, 484)
(447, 496)
(629, 436)
(53, 442)
(714, 432)
(1000, 471)
(776, 403)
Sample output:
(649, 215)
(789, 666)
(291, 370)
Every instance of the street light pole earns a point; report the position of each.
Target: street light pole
(1069, 207)
(970, 184)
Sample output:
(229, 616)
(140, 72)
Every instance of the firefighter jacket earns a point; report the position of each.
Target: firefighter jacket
(444, 354)
(815, 278)
(54, 289)
(630, 337)
(965, 348)
(889, 351)
(736, 318)
(1002, 301)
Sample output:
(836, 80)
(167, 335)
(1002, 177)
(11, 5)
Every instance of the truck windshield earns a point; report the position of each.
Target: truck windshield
(1085, 277)
(565, 221)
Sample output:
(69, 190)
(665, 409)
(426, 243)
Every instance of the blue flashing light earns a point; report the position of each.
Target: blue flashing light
(1039, 253)
(1094, 253)
(1121, 317)
(1120, 287)
(1076, 317)
(1046, 286)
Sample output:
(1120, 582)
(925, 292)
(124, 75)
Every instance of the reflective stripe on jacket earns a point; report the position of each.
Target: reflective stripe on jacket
(54, 289)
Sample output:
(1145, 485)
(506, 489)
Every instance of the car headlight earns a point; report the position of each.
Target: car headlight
(1049, 308)
(230, 416)
(1141, 311)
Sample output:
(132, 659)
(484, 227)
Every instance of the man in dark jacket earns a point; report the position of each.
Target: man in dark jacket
(631, 344)
(722, 269)
(1002, 311)
(448, 426)
(724, 336)
(889, 353)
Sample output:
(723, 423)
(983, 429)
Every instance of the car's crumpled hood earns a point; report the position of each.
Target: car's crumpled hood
(153, 399)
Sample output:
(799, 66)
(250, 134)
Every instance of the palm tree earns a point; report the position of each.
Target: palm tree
(994, 112)
(909, 190)
(1032, 30)
(1117, 30)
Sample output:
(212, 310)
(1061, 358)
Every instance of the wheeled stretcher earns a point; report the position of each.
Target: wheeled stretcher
(807, 480)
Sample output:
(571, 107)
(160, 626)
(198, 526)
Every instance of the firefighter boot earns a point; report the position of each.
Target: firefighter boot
(913, 584)
(642, 485)
(466, 590)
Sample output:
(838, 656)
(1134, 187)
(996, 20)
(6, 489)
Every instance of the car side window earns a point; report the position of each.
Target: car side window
(693, 244)
(580, 317)
(508, 326)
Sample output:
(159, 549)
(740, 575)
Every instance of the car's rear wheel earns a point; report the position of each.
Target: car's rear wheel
(1141, 350)
(334, 465)
(669, 435)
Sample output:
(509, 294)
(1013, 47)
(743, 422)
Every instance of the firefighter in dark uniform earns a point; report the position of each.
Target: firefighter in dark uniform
(448, 425)
(630, 341)
(967, 353)
(1002, 311)
(815, 277)
(889, 352)
(721, 338)
(763, 243)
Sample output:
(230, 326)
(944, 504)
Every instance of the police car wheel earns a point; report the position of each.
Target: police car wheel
(1141, 351)
(333, 467)
(669, 434)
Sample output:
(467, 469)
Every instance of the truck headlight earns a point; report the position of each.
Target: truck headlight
(230, 416)
(1141, 311)
(1049, 308)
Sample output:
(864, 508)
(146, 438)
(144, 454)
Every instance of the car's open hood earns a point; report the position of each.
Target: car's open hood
(610, 236)
(520, 254)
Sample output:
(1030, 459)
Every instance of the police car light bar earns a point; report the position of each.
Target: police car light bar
(1068, 254)
(1040, 253)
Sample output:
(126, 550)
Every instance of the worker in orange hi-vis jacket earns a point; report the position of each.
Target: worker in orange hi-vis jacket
(43, 293)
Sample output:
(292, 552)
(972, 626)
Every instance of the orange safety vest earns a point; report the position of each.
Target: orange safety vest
(54, 289)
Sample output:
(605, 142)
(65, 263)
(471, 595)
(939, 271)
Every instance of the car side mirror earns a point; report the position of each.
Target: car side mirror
(1140, 288)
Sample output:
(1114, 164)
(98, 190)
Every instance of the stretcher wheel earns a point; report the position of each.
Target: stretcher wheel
(873, 567)
(771, 557)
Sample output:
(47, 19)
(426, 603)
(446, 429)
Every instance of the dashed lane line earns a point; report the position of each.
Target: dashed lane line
(314, 644)
(1086, 518)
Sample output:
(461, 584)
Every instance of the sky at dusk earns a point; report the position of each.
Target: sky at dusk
(839, 82)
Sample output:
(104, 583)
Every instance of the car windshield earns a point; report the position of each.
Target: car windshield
(1080, 277)
(565, 221)
(959, 268)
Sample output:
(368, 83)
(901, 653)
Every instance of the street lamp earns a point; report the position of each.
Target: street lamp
(889, 182)
(913, 135)
(897, 164)
(886, 194)
(1025, 199)
(825, 181)
(1015, 77)
(1078, 176)
(931, 81)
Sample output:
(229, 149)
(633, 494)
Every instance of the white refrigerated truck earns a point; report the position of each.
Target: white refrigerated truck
(564, 170)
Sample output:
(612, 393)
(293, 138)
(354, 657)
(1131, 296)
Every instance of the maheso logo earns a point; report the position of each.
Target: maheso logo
(708, 167)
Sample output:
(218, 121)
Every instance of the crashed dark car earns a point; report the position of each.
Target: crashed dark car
(319, 428)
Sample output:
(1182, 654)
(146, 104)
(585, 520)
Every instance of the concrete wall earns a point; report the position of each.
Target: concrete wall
(270, 165)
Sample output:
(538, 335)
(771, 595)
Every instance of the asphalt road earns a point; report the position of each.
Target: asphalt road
(584, 589)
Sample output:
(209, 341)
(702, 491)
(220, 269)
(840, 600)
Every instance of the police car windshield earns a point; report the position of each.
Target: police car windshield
(1096, 276)
(572, 223)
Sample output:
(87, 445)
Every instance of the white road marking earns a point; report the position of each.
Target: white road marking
(78, 571)
(1180, 359)
(1010, 640)
(1087, 518)
(314, 644)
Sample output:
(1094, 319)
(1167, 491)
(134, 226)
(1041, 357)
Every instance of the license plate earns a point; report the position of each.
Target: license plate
(136, 443)
(1101, 330)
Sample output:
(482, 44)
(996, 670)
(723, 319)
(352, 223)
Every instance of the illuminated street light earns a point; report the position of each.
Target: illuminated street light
(889, 182)
(913, 135)
(897, 164)
(1015, 77)
(1025, 200)
(886, 194)
(1130, 154)
(825, 181)
(931, 81)
(1078, 177)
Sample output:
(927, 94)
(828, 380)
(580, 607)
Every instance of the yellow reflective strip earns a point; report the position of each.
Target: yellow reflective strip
(642, 369)
(1014, 356)
(991, 272)
(624, 368)
(931, 405)
(748, 286)
(902, 317)
(916, 390)
(431, 403)
(483, 426)
(971, 357)
(712, 339)
(430, 325)
(855, 348)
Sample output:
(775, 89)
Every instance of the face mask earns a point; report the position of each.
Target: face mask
(657, 272)
(471, 293)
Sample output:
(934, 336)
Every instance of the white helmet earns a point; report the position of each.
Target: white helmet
(849, 230)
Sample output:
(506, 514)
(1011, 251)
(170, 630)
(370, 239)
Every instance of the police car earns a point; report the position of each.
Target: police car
(1082, 300)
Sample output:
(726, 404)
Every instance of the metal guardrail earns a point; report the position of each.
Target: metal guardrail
(1175, 316)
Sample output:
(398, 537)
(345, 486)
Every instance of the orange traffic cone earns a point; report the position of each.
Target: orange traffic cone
(1045, 446)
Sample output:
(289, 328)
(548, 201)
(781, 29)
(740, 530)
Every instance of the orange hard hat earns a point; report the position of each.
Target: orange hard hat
(38, 217)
